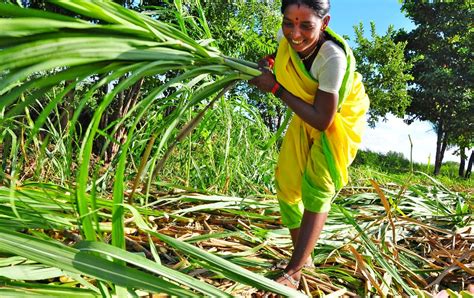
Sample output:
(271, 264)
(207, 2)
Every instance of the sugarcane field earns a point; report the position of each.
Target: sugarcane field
(191, 148)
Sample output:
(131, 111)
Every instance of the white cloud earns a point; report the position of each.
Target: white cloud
(392, 135)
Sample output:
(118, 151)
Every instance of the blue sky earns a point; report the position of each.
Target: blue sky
(393, 134)
(347, 13)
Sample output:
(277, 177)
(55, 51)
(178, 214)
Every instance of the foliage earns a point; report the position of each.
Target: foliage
(120, 47)
(186, 238)
(245, 30)
(248, 30)
(443, 74)
(385, 71)
(231, 140)
(369, 163)
(393, 161)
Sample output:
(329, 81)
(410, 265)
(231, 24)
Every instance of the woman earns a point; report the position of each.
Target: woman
(314, 76)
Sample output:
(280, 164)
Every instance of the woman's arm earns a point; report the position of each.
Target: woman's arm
(319, 115)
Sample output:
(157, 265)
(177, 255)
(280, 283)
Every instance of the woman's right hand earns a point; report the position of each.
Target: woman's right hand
(267, 62)
(266, 80)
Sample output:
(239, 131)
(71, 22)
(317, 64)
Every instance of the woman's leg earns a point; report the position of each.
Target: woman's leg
(294, 235)
(294, 239)
(305, 241)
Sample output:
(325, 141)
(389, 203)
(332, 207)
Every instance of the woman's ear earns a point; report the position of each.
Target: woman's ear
(325, 22)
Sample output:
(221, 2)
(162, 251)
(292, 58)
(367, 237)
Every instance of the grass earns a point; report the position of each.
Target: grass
(241, 224)
(247, 232)
(397, 165)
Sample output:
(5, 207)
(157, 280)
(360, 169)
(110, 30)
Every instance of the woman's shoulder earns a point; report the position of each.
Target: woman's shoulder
(330, 49)
(329, 66)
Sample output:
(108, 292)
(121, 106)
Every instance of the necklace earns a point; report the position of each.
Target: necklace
(310, 54)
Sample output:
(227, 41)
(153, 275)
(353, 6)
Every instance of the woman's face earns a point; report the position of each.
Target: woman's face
(302, 27)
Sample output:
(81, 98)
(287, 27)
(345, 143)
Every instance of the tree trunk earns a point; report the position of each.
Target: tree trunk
(467, 175)
(67, 107)
(441, 145)
(126, 100)
(462, 162)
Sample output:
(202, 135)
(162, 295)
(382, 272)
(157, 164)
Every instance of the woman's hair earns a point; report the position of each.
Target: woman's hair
(321, 7)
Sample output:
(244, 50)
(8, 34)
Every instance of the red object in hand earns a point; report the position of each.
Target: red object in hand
(270, 61)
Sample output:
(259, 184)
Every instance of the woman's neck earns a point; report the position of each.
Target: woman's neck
(308, 60)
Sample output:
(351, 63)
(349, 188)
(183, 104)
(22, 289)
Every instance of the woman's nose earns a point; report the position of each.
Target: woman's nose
(295, 33)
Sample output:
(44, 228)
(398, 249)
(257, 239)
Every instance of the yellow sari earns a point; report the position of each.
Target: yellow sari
(313, 164)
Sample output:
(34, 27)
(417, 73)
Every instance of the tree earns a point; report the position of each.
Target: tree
(467, 175)
(247, 30)
(462, 135)
(443, 73)
(385, 70)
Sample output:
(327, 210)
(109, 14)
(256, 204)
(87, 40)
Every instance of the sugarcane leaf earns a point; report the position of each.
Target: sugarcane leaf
(30, 272)
(375, 252)
(151, 267)
(55, 254)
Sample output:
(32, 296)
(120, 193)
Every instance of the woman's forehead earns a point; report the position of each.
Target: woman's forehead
(300, 12)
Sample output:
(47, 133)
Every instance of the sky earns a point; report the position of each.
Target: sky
(391, 135)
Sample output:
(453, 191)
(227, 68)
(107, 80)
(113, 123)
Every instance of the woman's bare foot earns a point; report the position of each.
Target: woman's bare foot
(291, 280)
(286, 279)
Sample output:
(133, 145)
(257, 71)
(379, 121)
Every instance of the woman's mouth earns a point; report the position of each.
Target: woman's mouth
(297, 42)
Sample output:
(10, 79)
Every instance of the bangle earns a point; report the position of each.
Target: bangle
(275, 88)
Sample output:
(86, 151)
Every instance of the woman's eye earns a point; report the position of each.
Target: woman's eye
(306, 27)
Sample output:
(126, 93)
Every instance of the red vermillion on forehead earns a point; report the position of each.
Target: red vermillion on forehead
(298, 19)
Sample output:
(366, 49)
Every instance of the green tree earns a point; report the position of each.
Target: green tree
(381, 62)
(443, 73)
(462, 136)
(247, 30)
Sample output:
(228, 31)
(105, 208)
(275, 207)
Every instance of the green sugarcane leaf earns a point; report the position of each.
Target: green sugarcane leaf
(30, 272)
(150, 266)
(58, 255)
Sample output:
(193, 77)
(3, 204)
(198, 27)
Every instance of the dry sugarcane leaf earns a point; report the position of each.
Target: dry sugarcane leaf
(363, 269)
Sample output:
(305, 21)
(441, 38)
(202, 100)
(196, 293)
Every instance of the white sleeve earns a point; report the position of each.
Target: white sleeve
(332, 74)
(331, 70)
